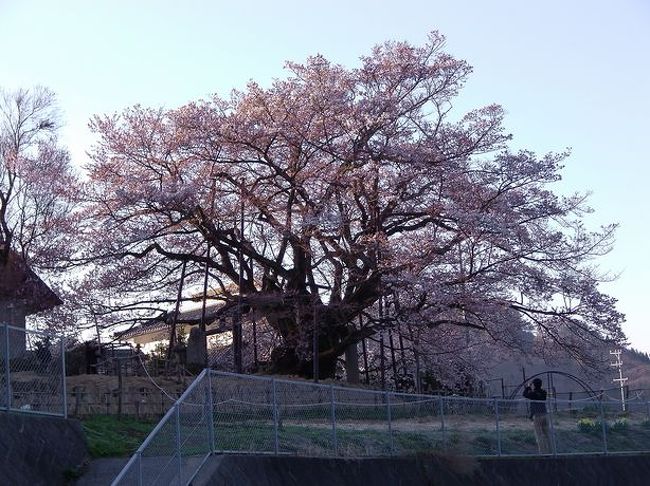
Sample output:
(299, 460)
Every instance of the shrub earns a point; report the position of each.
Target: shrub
(620, 424)
(589, 425)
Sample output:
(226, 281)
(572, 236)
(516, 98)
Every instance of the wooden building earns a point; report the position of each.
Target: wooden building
(22, 293)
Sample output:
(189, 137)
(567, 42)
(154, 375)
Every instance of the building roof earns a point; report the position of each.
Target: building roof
(20, 286)
(192, 316)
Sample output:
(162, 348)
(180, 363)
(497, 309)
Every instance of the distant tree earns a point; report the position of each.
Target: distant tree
(362, 196)
(639, 355)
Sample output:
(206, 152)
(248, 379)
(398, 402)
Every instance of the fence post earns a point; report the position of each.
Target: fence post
(178, 444)
(333, 406)
(496, 413)
(603, 424)
(139, 453)
(63, 384)
(390, 422)
(552, 428)
(7, 366)
(211, 437)
(441, 403)
(275, 419)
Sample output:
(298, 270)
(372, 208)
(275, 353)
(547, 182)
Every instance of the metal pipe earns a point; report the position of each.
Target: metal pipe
(552, 428)
(7, 367)
(315, 345)
(164, 421)
(333, 407)
(496, 413)
(63, 384)
(603, 424)
(139, 453)
(390, 423)
(178, 444)
(211, 437)
(275, 419)
(441, 403)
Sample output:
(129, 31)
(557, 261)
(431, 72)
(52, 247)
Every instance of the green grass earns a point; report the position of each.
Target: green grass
(109, 436)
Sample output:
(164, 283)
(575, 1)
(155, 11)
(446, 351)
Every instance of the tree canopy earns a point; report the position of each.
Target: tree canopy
(37, 182)
(39, 196)
(346, 202)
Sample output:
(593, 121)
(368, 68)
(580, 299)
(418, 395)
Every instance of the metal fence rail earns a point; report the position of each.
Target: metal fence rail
(229, 413)
(180, 443)
(32, 371)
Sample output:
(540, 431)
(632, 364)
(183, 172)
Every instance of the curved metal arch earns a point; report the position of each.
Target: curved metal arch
(579, 381)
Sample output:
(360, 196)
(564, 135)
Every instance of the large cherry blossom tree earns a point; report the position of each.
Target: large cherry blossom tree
(341, 203)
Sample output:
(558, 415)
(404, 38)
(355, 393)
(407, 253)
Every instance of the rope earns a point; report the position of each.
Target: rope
(154, 381)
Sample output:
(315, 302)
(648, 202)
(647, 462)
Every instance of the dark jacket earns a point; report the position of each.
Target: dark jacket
(538, 400)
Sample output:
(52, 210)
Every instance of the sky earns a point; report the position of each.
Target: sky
(568, 73)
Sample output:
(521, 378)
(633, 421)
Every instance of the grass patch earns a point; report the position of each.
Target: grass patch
(109, 436)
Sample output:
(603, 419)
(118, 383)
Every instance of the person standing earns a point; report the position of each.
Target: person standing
(537, 396)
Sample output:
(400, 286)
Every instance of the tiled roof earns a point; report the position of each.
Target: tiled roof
(191, 316)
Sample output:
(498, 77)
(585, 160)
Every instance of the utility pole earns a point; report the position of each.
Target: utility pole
(619, 364)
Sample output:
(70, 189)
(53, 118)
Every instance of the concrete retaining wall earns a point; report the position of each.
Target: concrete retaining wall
(629, 470)
(40, 450)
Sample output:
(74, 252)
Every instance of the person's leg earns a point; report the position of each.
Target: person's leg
(542, 434)
(538, 434)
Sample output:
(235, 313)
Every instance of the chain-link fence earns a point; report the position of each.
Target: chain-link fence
(179, 444)
(229, 413)
(32, 371)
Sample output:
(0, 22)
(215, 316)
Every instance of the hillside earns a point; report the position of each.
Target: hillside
(636, 367)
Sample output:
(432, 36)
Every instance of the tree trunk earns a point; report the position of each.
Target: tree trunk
(297, 325)
(284, 361)
(352, 364)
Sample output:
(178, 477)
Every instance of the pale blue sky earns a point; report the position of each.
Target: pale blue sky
(569, 73)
